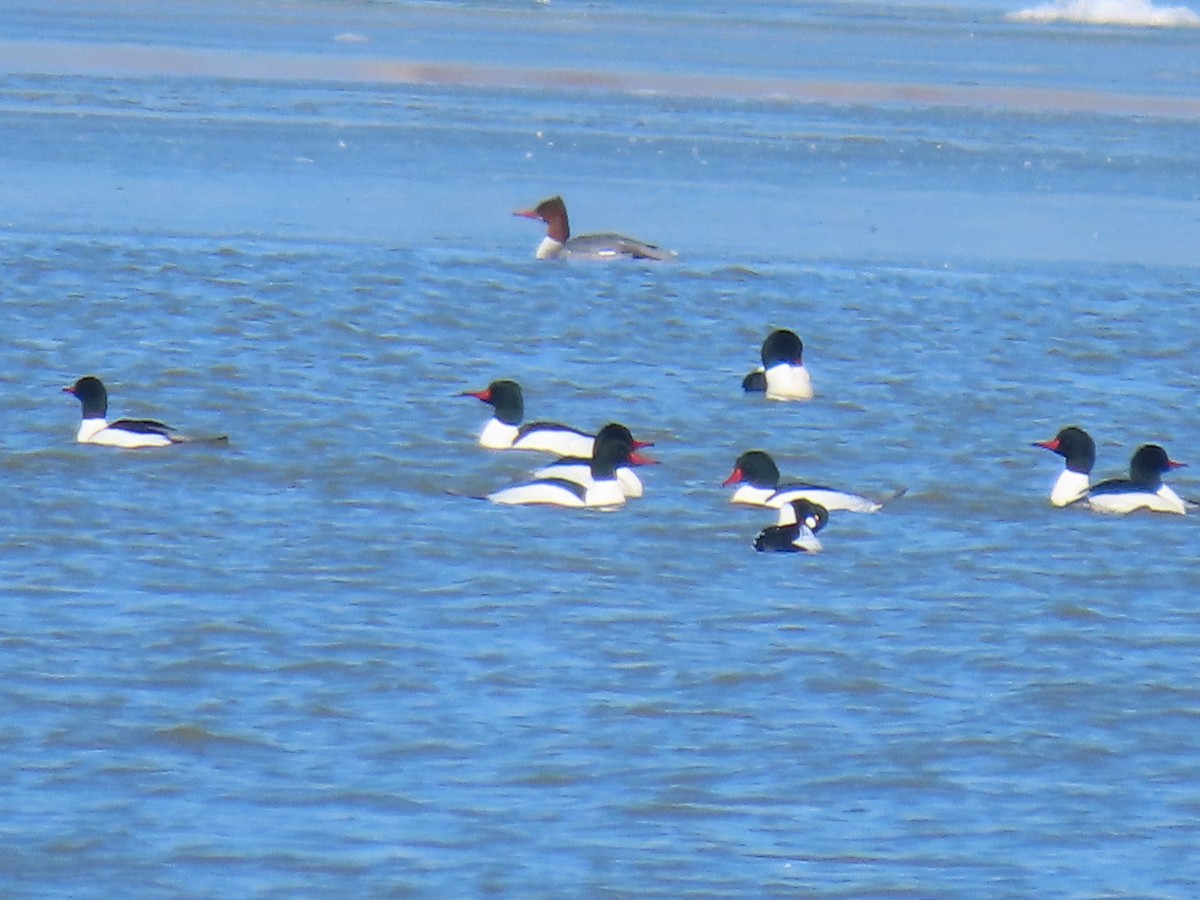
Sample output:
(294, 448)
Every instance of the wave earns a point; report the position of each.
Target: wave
(1109, 12)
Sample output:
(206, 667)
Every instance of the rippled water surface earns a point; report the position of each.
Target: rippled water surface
(310, 664)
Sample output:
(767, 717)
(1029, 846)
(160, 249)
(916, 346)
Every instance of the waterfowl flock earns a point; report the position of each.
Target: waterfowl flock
(1143, 489)
(597, 471)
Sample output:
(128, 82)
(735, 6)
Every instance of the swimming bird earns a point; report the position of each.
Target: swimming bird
(797, 529)
(504, 430)
(558, 243)
(128, 434)
(579, 469)
(757, 478)
(603, 492)
(1143, 489)
(782, 375)
(1079, 452)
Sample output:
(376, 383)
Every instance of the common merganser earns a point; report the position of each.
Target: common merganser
(604, 491)
(579, 470)
(505, 432)
(797, 531)
(757, 478)
(782, 375)
(1143, 489)
(128, 434)
(1079, 450)
(558, 243)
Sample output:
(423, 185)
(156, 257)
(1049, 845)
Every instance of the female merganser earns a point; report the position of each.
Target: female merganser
(505, 432)
(1143, 489)
(758, 479)
(796, 531)
(1079, 450)
(579, 470)
(558, 242)
(782, 375)
(604, 491)
(129, 434)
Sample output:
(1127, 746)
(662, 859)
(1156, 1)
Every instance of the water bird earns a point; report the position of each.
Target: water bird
(796, 532)
(757, 478)
(603, 491)
(558, 243)
(1079, 453)
(128, 434)
(504, 430)
(579, 469)
(1143, 489)
(782, 375)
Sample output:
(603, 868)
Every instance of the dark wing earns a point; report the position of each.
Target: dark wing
(548, 426)
(777, 538)
(755, 381)
(641, 250)
(145, 426)
(1113, 486)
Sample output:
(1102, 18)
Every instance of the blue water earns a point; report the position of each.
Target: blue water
(307, 665)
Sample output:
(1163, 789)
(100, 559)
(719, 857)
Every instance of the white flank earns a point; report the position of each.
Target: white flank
(601, 495)
(1130, 501)
(559, 441)
(827, 497)
(538, 493)
(581, 474)
(96, 431)
(807, 541)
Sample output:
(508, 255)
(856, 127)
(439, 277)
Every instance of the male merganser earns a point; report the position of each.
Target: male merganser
(758, 479)
(603, 492)
(1143, 489)
(128, 434)
(782, 375)
(579, 470)
(505, 432)
(558, 242)
(796, 531)
(1079, 450)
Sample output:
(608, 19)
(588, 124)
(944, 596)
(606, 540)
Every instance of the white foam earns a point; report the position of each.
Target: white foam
(1109, 12)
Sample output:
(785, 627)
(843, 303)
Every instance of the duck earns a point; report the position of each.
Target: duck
(126, 434)
(1143, 489)
(558, 243)
(602, 492)
(757, 478)
(1078, 451)
(579, 469)
(796, 532)
(504, 430)
(782, 375)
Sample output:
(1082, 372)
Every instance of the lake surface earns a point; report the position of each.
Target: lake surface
(309, 665)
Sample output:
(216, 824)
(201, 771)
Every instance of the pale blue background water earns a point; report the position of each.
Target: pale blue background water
(299, 666)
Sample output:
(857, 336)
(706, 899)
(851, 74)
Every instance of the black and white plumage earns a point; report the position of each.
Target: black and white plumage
(782, 375)
(797, 530)
(1143, 489)
(505, 431)
(1078, 451)
(579, 469)
(757, 478)
(127, 434)
(558, 243)
(603, 490)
